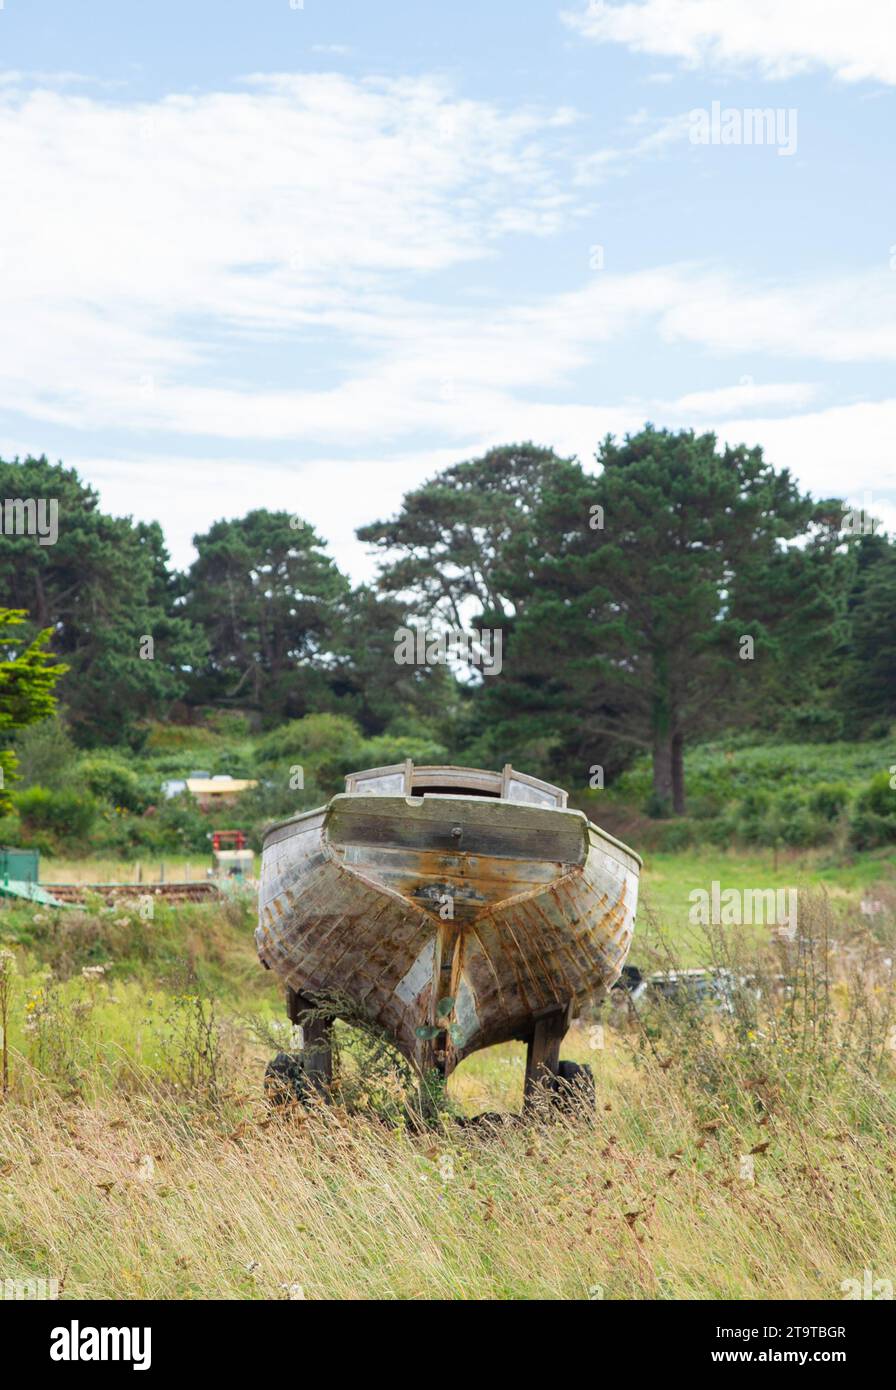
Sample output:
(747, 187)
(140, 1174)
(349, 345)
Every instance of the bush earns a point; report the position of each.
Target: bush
(112, 781)
(799, 829)
(676, 837)
(657, 807)
(879, 796)
(873, 821)
(868, 830)
(750, 821)
(67, 815)
(46, 756)
(385, 749)
(706, 805)
(812, 724)
(175, 827)
(829, 800)
(326, 746)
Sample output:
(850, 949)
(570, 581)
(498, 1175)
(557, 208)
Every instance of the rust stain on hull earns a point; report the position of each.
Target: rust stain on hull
(352, 904)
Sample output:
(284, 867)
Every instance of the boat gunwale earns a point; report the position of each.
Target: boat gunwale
(493, 801)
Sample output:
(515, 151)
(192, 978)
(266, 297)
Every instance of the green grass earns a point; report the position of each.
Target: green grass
(138, 1158)
(667, 880)
(727, 1158)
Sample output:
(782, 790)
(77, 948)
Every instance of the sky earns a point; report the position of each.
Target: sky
(304, 255)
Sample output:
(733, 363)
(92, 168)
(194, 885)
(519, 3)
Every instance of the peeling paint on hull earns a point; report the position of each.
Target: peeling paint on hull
(352, 904)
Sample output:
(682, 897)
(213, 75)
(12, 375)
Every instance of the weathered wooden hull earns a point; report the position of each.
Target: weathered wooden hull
(396, 904)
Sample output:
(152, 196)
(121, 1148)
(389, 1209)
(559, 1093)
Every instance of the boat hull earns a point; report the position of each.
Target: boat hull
(393, 907)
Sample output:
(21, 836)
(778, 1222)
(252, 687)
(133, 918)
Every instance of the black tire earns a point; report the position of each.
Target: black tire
(574, 1090)
(285, 1081)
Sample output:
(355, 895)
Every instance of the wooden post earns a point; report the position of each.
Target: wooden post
(318, 1052)
(543, 1054)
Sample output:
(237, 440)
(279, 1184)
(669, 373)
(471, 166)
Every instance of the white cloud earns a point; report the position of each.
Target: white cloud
(662, 131)
(843, 451)
(186, 495)
(854, 39)
(152, 229)
(261, 265)
(747, 395)
(848, 318)
(172, 251)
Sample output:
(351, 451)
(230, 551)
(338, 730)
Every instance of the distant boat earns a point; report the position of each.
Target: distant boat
(453, 907)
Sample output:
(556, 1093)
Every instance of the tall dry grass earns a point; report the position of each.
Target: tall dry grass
(741, 1153)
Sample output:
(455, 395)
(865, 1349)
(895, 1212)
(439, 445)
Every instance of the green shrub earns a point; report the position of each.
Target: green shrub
(67, 815)
(676, 837)
(873, 821)
(799, 829)
(706, 805)
(867, 830)
(879, 796)
(829, 799)
(812, 724)
(657, 807)
(385, 749)
(46, 756)
(750, 821)
(111, 780)
(325, 746)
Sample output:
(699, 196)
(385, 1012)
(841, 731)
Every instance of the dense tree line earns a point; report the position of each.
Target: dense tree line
(679, 590)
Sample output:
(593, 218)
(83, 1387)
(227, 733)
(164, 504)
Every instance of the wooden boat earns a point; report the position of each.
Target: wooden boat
(452, 907)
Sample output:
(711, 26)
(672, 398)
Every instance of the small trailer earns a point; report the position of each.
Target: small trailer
(231, 856)
(451, 907)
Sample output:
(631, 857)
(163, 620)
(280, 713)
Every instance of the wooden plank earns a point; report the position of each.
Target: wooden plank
(543, 1052)
(422, 866)
(317, 1033)
(511, 832)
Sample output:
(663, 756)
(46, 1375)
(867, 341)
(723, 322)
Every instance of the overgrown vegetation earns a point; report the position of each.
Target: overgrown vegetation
(781, 794)
(793, 796)
(740, 1148)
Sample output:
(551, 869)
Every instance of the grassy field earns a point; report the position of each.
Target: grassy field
(163, 868)
(668, 880)
(731, 1156)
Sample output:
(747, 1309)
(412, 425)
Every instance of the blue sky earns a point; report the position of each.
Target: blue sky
(303, 257)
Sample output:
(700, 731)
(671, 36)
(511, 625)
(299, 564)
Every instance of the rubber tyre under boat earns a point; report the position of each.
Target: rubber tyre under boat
(574, 1089)
(286, 1081)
